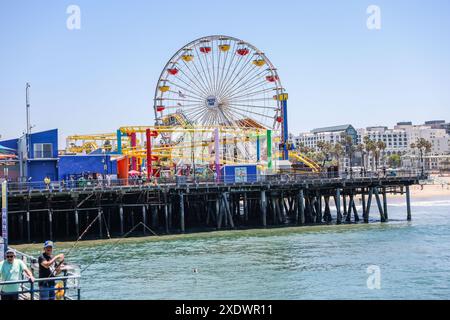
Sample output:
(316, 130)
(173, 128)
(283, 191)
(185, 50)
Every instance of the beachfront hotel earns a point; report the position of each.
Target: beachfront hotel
(398, 141)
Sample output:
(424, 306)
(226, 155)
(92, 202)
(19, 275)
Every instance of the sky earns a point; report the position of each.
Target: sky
(336, 70)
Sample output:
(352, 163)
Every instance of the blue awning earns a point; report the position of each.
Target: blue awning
(7, 150)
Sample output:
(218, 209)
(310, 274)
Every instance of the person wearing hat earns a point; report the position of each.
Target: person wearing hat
(12, 269)
(48, 268)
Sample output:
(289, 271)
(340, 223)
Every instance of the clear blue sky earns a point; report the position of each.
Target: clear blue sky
(336, 71)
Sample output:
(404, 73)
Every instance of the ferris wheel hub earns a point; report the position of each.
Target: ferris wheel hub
(212, 102)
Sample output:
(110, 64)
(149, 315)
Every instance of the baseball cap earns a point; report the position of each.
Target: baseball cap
(48, 243)
(10, 251)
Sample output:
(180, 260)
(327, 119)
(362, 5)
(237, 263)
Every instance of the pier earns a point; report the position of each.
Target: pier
(63, 212)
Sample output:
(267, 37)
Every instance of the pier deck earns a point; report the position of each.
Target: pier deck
(64, 211)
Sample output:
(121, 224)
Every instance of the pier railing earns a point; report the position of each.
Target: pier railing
(70, 290)
(287, 177)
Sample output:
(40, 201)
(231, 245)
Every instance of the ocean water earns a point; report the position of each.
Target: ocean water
(323, 262)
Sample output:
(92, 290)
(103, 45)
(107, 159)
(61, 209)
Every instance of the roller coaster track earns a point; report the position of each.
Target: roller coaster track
(310, 163)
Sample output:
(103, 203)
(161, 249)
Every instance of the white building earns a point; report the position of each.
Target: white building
(397, 140)
(439, 138)
(332, 135)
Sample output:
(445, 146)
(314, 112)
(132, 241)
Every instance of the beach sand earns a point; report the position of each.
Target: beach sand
(429, 190)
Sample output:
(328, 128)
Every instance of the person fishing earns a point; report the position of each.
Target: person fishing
(48, 268)
(12, 269)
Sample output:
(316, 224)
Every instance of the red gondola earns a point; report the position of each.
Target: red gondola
(205, 49)
(272, 78)
(243, 51)
(173, 71)
(160, 108)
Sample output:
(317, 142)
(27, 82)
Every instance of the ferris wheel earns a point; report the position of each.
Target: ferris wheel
(219, 81)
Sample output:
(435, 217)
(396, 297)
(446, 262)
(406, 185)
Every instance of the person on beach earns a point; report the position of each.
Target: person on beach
(48, 268)
(12, 269)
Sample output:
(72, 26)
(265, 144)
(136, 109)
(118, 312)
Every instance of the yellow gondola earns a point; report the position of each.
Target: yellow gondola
(187, 57)
(224, 47)
(259, 62)
(164, 88)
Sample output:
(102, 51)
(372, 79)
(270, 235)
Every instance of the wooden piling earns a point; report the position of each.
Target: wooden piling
(344, 203)
(100, 223)
(144, 219)
(50, 223)
(182, 226)
(364, 206)
(408, 203)
(337, 200)
(77, 224)
(263, 208)
(355, 211)
(301, 205)
(380, 207)
(121, 219)
(385, 206)
(28, 227)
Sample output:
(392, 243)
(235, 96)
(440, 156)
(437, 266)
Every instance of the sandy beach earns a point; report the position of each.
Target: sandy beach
(438, 188)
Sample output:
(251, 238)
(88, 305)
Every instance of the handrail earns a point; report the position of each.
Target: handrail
(32, 284)
(104, 184)
(4, 283)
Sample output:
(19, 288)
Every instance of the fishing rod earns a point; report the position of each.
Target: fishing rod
(117, 242)
(52, 274)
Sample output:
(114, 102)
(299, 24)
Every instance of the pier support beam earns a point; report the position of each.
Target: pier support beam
(337, 200)
(327, 214)
(182, 226)
(408, 203)
(121, 219)
(263, 208)
(301, 206)
(364, 206)
(77, 224)
(369, 205)
(50, 223)
(144, 219)
(28, 227)
(385, 206)
(380, 207)
(100, 223)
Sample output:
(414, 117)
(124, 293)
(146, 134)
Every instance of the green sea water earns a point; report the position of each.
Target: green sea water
(327, 262)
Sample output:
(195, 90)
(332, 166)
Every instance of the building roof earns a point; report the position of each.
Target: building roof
(332, 129)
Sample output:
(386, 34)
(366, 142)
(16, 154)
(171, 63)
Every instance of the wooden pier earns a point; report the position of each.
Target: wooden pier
(282, 200)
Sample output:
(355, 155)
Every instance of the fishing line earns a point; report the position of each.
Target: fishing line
(106, 226)
(116, 243)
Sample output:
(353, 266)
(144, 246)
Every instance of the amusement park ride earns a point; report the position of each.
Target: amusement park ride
(218, 101)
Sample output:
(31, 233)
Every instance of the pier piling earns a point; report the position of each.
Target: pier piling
(196, 207)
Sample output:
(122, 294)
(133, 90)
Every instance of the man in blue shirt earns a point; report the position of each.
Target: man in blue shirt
(12, 269)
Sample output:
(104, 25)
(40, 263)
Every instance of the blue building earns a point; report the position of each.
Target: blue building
(41, 159)
(75, 166)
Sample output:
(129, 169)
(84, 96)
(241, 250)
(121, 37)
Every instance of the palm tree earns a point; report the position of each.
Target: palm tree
(370, 148)
(337, 152)
(361, 149)
(424, 147)
(381, 146)
(325, 149)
